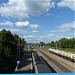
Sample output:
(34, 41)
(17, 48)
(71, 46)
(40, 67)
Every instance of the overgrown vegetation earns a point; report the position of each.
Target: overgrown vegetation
(11, 50)
(62, 44)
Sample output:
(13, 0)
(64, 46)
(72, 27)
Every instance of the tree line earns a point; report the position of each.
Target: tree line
(61, 43)
(11, 50)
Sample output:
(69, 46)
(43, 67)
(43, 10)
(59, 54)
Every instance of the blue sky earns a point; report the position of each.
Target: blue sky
(38, 20)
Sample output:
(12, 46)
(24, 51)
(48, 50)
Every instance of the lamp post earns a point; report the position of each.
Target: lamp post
(18, 45)
(19, 49)
(40, 46)
(56, 45)
(60, 45)
(1, 42)
(18, 52)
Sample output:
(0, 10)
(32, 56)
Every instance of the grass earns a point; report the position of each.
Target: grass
(64, 49)
(68, 50)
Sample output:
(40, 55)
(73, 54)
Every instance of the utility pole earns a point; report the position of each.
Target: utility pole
(40, 46)
(19, 48)
(56, 45)
(66, 47)
(18, 52)
(60, 45)
(1, 44)
(19, 44)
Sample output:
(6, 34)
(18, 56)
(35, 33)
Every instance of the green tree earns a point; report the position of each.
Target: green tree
(41, 43)
(9, 48)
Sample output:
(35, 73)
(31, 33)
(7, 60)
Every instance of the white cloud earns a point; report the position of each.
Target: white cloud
(67, 3)
(23, 8)
(6, 23)
(34, 26)
(15, 31)
(42, 37)
(27, 24)
(30, 37)
(46, 36)
(50, 35)
(57, 37)
(68, 37)
(22, 24)
(68, 26)
(35, 38)
(35, 31)
(48, 14)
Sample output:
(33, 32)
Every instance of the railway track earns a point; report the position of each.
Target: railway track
(60, 66)
(40, 66)
(55, 62)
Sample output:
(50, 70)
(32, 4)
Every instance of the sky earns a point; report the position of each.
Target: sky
(38, 20)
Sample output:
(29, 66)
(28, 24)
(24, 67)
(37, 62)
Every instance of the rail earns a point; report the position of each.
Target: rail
(34, 64)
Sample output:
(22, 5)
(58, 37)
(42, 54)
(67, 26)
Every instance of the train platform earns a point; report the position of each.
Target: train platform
(25, 64)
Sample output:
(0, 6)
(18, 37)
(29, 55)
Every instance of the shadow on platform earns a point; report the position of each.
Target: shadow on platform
(25, 61)
(25, 64)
